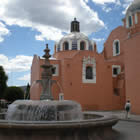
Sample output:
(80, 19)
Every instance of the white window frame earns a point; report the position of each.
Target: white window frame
(61, 96)
(56, 66)
(119, 70)
(114, 48)
(136, 18)
(92, 62)
(127, 20)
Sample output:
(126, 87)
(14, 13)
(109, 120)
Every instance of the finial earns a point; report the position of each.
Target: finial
(47, 50)
(46, 46)
(75, 19)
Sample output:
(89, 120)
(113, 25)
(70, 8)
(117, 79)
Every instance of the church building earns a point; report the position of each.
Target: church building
(82, 74)
(102, 81)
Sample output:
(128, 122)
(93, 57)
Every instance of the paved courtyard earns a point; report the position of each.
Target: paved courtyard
(119, 114)
(127, 130)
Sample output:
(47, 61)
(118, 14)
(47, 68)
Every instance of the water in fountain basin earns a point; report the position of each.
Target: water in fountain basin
(44, 110)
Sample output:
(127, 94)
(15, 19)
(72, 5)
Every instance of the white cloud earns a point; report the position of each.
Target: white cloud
(106, 1)
(25, 77)
(3, 31)
(107, 9)
(50, 17)
(98, 39)
(49, 33)
(18, 64)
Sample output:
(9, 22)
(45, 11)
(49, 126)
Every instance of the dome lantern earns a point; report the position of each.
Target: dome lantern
(75, 26)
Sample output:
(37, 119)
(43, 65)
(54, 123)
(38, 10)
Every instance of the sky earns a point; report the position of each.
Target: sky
(27, 25)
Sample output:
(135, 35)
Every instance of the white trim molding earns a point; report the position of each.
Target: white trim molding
(56, 66)
(61, 96)
(114, 47)
(136, 18)
(127, 20)
(89, 61)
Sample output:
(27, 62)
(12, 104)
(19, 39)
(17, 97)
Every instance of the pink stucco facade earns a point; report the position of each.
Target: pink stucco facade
(92, 96)
(129, 38)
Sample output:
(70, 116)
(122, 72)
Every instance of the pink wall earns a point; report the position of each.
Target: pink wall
(132, 72)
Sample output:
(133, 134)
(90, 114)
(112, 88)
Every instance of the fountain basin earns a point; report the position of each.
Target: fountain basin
(44, 110)
(92, 127)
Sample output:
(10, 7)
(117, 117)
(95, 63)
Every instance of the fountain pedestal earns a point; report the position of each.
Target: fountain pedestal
(46, 76)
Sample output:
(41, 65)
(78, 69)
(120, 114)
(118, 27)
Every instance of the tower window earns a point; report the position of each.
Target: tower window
(66, 46)
(116, 48)
(54, 70)
(82, 45)
(58, 48)
(130, 21)
(89, 72)
(116, 69)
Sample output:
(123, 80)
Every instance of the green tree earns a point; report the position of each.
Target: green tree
(13, 93)
(27, 94)
(3, 81)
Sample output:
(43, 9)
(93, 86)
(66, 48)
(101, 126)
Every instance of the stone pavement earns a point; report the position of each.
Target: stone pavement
(120, 114)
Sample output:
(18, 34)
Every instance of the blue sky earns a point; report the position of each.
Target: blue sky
(26, 26)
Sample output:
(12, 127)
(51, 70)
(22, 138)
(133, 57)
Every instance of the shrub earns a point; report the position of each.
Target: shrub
(3, 80)
(13, 93)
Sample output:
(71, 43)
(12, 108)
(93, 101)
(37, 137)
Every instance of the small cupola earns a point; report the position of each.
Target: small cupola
(75, 26)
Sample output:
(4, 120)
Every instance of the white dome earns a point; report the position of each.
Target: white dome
(75, 35)
(74, 40)
(135, 6)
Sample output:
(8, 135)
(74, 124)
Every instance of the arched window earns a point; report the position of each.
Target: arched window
(58, 48)
(66, 46)
(82, 45)
(89, 72)
(116, 48)
(130, 21)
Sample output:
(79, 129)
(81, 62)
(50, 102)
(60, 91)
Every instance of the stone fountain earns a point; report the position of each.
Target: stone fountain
(49, 119)
(46, 81)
